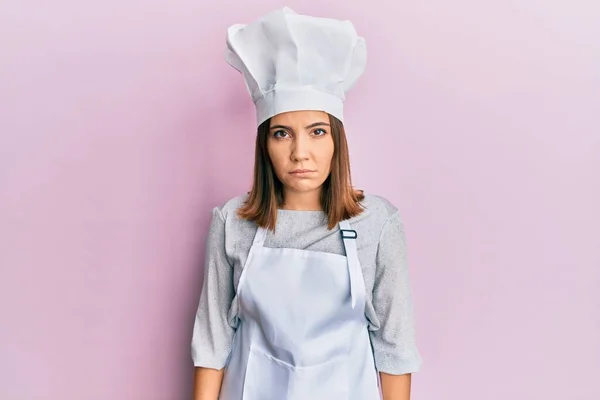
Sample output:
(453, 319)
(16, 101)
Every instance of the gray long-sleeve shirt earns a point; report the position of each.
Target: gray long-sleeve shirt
(381, 249)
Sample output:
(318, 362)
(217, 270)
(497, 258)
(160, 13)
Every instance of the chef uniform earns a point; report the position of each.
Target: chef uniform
(302, 332)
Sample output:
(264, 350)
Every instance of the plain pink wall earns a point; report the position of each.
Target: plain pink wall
(122, 126)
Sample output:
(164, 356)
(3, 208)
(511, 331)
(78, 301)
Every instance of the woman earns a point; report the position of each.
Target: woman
(306, 290)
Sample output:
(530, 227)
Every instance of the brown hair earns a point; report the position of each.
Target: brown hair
(339, 199)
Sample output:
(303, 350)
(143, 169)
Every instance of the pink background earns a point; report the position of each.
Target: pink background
(122, 126)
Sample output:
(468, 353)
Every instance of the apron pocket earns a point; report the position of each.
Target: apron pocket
(268, 378)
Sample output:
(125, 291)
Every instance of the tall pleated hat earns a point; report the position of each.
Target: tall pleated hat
(293, 62)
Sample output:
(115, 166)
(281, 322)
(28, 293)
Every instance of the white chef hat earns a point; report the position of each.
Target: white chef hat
(296, 62)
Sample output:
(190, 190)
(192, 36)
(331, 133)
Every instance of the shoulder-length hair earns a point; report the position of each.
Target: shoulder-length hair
(339, 199)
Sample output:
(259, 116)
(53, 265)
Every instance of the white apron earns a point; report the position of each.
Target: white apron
(302, 333)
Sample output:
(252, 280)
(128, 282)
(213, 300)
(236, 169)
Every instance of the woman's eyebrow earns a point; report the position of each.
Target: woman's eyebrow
(289, 128)
(314, 125)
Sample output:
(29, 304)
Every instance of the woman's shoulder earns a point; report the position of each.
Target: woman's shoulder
(229, 208)
(379, 212)
(377, 205)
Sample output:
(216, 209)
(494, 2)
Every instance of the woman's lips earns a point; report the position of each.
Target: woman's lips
(302, 172)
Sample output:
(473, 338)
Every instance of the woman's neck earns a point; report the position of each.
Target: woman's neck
(302, 201)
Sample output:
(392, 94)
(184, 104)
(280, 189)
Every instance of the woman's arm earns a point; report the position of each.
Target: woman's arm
(207, 383)
(395, 387)
(212, 335)
(394, 342)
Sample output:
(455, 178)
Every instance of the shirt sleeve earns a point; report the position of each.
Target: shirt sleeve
(394, 344)
(212, 334)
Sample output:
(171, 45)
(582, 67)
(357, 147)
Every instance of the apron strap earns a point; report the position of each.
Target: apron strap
(349, 237)
(259, 237)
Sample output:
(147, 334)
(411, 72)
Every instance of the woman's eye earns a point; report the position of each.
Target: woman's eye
(319, 132)
(280, 134)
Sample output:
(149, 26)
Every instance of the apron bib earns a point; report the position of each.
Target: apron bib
(302, 332)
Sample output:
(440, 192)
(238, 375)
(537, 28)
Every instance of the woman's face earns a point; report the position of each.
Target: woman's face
(301, 148)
